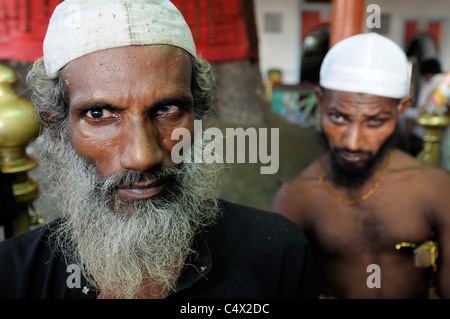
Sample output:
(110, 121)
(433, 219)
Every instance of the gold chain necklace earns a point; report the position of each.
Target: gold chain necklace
(365, 195)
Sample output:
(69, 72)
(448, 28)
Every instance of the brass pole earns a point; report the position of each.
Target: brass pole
(433, 124)
(18, 126)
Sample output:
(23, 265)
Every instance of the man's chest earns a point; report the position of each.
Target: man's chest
(370, 227)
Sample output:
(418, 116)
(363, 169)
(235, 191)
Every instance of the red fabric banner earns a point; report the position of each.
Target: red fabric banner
(224, 30)
(23, 24)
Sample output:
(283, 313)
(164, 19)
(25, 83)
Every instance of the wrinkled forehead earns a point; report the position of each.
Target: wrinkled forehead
(128, 71)
(147, 56)
(354, 99)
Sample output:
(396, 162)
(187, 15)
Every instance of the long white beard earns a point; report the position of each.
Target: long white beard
(120, 245)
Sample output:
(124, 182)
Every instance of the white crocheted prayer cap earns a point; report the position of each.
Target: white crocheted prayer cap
(366, 63)
(79, 27)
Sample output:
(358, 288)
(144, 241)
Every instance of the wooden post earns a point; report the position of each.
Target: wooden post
(346, 19)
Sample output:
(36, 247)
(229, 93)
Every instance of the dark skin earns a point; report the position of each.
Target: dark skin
(124, 104)
(412, 204)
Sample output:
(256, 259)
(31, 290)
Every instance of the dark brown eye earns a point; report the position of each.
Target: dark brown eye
(376, 122)
(168, 109)
(99, 113)
(96, 113)
(336, 118)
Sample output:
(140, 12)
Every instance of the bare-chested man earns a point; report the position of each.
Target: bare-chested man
(367, 207)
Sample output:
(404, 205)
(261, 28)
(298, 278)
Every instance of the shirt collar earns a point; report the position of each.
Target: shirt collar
(198, 264)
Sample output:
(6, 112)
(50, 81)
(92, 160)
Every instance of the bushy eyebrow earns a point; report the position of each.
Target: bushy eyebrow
(84, 107)
(335, 110)
(180, 99)
(380, 113)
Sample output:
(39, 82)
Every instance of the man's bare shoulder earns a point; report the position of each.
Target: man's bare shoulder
(300, 185)
(294, 195)
(304, 179)
(428, 182)
(422, 171)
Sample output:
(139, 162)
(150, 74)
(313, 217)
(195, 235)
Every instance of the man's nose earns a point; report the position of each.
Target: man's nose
(141, 149)
(353, 138)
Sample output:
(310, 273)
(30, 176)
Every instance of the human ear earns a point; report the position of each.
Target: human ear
(51, 122)
(319, 97)
(403, 105)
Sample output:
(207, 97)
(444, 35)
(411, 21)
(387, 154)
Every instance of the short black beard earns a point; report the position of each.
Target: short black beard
(350, 175)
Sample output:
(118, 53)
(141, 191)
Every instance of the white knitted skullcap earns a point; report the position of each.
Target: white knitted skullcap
(366, 63)
(79, 27)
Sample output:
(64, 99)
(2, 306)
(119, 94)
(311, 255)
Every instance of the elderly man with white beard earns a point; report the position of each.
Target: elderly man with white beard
(117, 77)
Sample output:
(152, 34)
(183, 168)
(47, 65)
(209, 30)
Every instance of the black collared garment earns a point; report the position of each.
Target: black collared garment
(247, 254)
